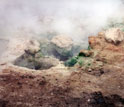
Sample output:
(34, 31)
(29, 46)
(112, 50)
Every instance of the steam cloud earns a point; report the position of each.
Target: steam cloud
(75, 18)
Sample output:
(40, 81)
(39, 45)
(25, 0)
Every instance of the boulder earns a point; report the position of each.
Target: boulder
(62, 41)
(45, 63)
(33, 47)
(114, 35)
(62, 46)
(25, 60)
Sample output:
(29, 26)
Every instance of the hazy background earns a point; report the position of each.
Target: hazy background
(20, 20)
(75, 18)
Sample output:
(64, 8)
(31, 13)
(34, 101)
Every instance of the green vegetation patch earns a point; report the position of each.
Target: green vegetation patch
(89, 48)
(71, 62)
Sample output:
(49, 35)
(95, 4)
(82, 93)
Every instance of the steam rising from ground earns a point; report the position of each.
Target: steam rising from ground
(75, 18)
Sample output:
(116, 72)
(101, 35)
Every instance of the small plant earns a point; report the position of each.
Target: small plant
(81, 63)
(71, 62)
(89, 48)
(89, 64)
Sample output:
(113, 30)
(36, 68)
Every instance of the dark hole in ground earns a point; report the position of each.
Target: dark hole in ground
(35, 61)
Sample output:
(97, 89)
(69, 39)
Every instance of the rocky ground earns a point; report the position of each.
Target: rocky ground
(98, 81)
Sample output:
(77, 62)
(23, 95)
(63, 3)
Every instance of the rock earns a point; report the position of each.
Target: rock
(62, 46)
(45, 63)
(33, 47)
(101, 34)
(26, 60)
(96, 42)
(62, 41)
(114, 35)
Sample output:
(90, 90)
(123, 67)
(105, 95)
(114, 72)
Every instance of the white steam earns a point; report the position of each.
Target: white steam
(75, 18)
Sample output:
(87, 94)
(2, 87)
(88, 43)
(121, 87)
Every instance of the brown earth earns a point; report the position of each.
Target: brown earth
(113, 54)
(63, 87)
(52, 88)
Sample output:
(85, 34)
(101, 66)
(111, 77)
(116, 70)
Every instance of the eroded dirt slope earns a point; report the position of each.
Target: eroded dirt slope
(60, 88)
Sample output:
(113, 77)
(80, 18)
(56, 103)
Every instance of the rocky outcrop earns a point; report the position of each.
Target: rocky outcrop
(45, 63)
(62, 46)
(62, 41)
(101, 56)
(33, 47)
(107, 51)
(114, 35)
